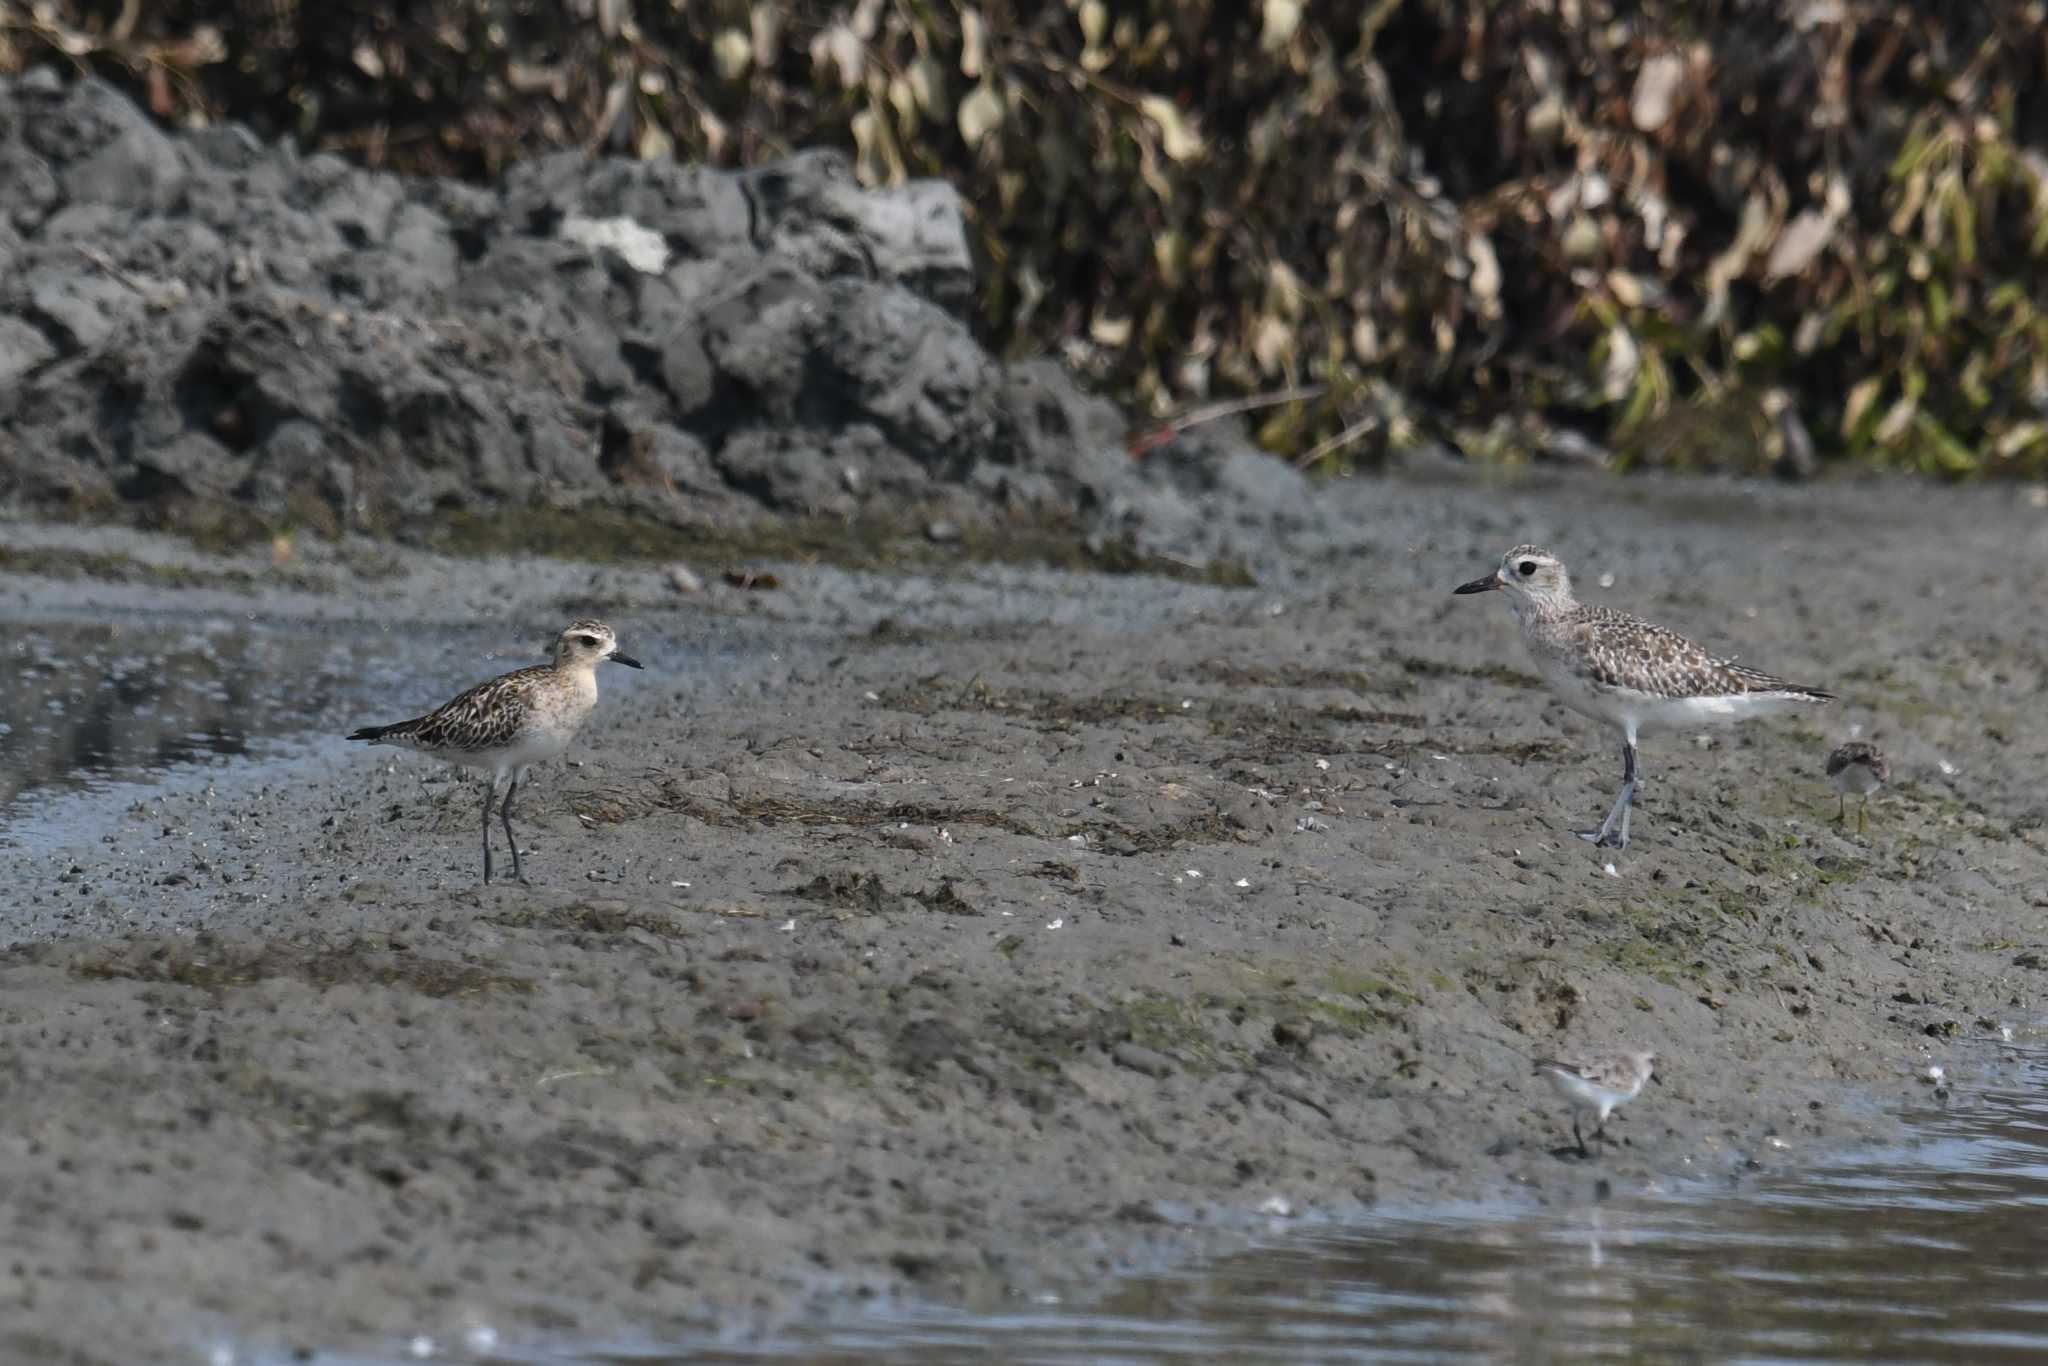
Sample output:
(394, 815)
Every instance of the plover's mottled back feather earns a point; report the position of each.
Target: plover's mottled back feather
(1617, 649)
(488, 716)
(1853, 753)
(1610, 1071)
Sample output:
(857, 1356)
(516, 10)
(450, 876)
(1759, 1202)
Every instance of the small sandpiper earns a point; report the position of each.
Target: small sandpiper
(513, 721)
(1625, 672)
(1857, 767)
(1596, 1084)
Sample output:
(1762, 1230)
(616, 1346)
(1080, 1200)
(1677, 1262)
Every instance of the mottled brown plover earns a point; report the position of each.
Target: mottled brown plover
(1626, 672)
(1857, 767)
(513, 721)
(1596, 1084)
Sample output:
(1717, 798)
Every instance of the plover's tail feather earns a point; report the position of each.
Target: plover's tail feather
(1757, 681)
(397, 733)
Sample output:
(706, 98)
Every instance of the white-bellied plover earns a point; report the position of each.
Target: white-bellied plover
(1625, 672)
(1858, 767)
(1597, 1083)
(513, 721)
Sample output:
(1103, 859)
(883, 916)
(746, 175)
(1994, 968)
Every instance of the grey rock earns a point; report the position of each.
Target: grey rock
(87, 116)
(197, 315)
(81, 306)
(1072, 441)
(816, 216)
(641, 451)
(663, 341)
(32, 189)
(22, 349)
(1144, 1060)
(39, 80)
(228, 146)
(914, 370)
(138, 169)
(759, 336)
(784, 470)
(880, 470)
(294, 457)
(190, 463)
(424, 244)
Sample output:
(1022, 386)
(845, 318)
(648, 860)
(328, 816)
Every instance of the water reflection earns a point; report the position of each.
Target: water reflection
(1931, 1252)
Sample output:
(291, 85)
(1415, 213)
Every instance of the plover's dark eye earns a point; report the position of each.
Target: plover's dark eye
(1527, 567)
(587, 642)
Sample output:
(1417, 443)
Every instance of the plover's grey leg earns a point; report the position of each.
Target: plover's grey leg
(1579, 1137)
(490, 790)
(1863, 816)
(1606, 836)
(505, 814)
(1842, 809)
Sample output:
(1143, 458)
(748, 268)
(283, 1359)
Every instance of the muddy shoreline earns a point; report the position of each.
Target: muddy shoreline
(965, 933)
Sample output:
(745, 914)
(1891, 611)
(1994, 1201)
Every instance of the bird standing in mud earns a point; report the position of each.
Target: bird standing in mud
(513, 721)
(1857, 767)
(1597, 1084)
(1625, 672)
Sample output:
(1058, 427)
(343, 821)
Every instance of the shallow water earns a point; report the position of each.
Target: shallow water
(130, 698)
(1932, 1251)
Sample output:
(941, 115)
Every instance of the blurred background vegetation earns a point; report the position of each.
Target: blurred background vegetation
(1752, 234)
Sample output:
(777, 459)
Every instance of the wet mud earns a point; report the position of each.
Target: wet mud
(973, 929)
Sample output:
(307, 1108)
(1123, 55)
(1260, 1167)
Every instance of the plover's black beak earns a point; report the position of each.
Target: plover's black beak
(1485, 585)
(626, 660)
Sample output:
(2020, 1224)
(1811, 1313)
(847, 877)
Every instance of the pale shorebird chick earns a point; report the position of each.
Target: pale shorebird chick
(1596, 1084)
(513, 721)
(1625, 672)
(1857, 768)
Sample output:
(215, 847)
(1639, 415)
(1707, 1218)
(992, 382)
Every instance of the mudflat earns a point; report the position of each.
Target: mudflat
(975, 931)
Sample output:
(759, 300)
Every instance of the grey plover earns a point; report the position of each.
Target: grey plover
(1596, 1084)
(1625, 672)
(513, 721)
(1857, 767)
